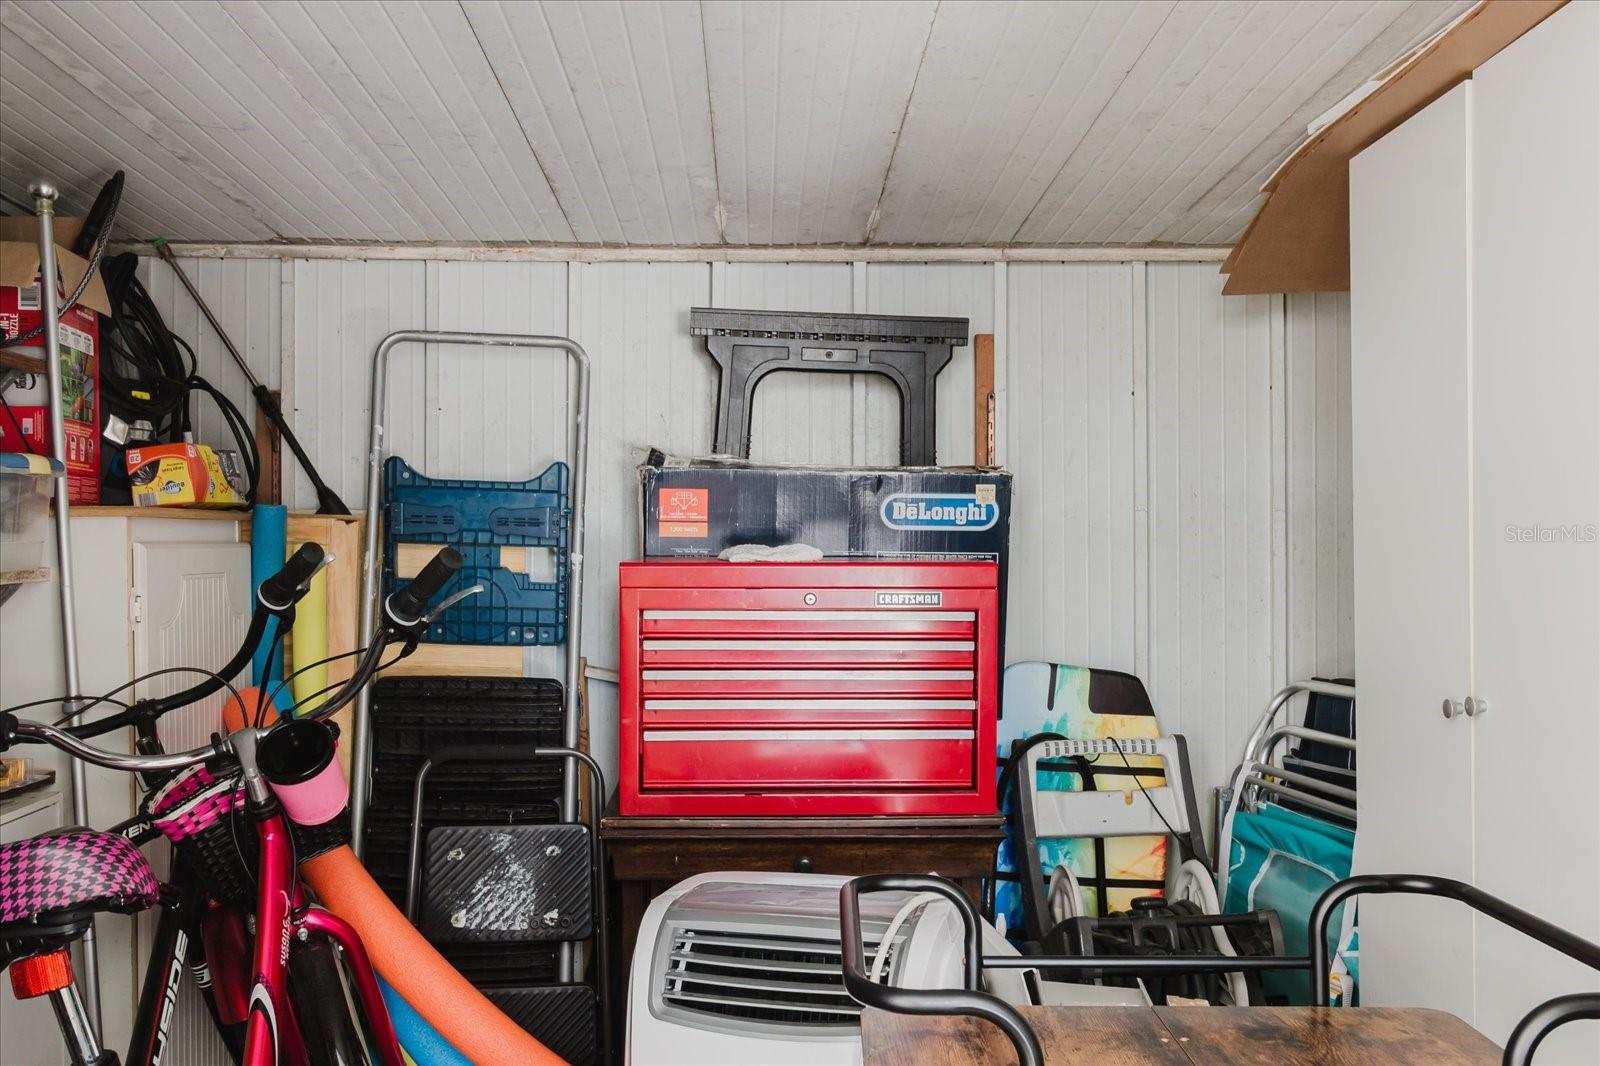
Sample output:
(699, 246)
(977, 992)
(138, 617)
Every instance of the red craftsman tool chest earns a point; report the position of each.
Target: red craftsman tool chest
(830, 688)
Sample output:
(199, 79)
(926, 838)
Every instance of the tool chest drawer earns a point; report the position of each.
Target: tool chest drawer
(807, 758)
(816, 688)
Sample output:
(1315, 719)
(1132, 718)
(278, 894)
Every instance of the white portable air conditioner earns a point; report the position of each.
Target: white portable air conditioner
(738, 969)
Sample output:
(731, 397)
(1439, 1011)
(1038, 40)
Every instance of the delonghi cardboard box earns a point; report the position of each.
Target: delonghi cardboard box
(79, 334)
(694, 508)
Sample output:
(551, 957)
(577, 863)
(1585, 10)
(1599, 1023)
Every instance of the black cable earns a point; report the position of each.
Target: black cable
(295, 710)
(143, 365)
(152, 675)
(48, 702)
(149, 374)
(272, 697)
(237, 425)
(235, 784)
(1148, 799)
(260, 717)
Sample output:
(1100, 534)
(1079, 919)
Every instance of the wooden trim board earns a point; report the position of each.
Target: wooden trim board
(1300, 239)
(719, 253)
(983, 399)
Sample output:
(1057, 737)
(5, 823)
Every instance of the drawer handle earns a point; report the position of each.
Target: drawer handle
(804, 865)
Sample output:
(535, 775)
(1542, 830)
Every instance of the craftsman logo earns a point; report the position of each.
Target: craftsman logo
(910, 599)
(932, 510)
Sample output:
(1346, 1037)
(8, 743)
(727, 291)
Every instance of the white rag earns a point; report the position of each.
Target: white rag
(761, 553)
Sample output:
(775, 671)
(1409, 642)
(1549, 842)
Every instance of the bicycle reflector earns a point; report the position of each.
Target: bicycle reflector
(41, 974)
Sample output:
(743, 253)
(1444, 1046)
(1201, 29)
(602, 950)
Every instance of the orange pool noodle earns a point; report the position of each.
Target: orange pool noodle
(433, 987)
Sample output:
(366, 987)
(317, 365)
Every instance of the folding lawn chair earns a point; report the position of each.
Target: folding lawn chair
(1287, 825)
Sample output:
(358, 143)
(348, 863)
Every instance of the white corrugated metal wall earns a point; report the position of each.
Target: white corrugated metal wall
(1181, 459)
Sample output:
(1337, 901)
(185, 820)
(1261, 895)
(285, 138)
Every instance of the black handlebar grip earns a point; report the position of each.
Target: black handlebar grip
(407, 604)
(283, 589)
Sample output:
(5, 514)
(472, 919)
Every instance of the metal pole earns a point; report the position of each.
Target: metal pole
(44, 202)
(216, 327)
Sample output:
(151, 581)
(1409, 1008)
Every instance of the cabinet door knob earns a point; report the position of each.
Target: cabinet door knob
(1476, 707)
(804, 865)
(1451, 708)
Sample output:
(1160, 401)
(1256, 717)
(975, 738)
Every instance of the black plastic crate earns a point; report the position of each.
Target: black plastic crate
(562, 1017)
(397, 777)
(488, 966)
(529, 810)
(418, 715)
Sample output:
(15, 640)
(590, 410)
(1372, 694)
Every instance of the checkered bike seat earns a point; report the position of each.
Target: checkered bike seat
(71, 870)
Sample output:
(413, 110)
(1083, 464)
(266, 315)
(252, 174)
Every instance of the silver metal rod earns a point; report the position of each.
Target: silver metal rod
(112, 760)
(79, 1035)
(44, 202)
(216, 327)
(1304, 781)
(1283, 696)
(371, 586)
(1327, 806)
(1269, 743)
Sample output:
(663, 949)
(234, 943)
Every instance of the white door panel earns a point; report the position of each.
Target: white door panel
(1536, 578)
(1410, 318)
(194, 609)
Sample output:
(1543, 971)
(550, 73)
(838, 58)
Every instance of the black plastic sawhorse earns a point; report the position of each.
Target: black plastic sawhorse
(908, 350)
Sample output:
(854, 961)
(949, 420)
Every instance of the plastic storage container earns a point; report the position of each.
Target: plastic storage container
(25, 490)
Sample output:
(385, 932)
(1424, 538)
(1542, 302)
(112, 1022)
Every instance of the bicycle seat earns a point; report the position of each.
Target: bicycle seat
(51, 884)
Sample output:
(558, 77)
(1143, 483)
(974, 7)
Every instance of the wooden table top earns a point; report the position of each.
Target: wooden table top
(1181, 1036)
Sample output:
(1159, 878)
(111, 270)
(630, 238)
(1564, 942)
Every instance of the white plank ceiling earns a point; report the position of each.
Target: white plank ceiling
(676, 123)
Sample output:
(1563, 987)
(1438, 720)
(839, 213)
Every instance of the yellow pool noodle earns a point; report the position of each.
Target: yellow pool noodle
(310, 636)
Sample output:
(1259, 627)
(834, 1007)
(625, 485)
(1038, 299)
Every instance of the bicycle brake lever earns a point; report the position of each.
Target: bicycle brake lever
(449, 602)
(328, 560)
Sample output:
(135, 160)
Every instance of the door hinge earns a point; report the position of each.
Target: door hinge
(135, 608)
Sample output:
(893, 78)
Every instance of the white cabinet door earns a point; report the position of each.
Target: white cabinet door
(193, 609)
(1409, 344)
(1536, 579)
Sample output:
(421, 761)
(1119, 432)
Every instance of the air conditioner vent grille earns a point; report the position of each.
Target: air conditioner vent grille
(783, 980)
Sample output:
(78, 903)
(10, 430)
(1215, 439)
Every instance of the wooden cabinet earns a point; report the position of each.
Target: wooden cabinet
(1475, 375)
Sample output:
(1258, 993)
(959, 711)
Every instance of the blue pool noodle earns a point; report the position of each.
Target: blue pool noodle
(417, 1038)
(269, 547)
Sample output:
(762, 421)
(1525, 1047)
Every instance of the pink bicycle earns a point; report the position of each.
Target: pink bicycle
(274, 997)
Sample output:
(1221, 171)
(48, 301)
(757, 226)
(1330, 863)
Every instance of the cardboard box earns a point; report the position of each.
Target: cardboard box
(180, 475)
(694, 508)
(20, 311)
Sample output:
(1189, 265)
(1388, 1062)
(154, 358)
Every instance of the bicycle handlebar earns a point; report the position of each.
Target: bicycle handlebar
(276, 598)
(284, 589)
(60, 738)
(405, 605)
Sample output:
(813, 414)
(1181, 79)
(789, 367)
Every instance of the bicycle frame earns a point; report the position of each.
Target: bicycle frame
(283, 916)
(246, 987)
(179, 943)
